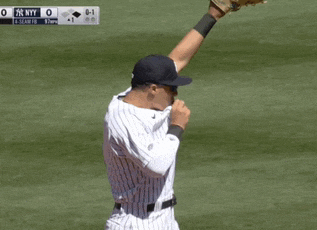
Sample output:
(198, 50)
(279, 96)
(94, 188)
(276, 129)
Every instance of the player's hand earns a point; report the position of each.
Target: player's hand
(215, 11)
(180, 114)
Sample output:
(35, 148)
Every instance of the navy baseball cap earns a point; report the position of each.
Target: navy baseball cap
(157, 69)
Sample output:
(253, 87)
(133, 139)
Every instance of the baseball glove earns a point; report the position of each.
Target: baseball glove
(234, 5)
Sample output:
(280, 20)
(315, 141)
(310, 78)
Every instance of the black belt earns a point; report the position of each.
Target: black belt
(150, 207)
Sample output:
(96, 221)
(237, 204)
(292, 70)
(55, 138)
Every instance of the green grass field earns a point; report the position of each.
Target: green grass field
(248, 159)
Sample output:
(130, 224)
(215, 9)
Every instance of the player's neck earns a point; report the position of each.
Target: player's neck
(140, 100)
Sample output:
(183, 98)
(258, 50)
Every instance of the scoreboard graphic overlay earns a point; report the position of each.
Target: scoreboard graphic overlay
(46, 15)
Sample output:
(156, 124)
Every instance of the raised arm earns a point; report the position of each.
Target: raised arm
(190, 44)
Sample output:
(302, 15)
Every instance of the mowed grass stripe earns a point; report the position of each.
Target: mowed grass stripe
(263, 192)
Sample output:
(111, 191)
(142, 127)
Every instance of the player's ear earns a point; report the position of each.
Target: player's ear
(153, 88)
(151, 92)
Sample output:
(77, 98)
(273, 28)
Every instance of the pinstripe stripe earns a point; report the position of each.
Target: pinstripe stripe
(130, 184)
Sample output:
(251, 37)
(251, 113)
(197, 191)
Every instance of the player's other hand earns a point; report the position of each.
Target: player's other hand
(180, 114)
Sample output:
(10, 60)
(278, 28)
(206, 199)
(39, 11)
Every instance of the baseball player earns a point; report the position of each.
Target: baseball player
(142, 133)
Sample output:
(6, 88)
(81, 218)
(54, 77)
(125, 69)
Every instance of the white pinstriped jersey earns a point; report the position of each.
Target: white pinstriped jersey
(131, 137)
